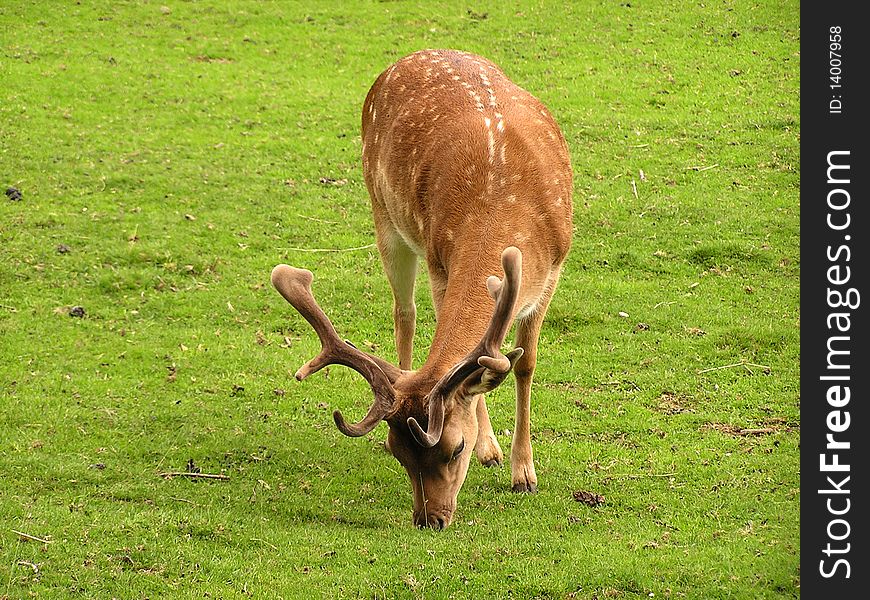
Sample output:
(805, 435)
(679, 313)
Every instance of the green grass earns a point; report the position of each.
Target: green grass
(177, 153)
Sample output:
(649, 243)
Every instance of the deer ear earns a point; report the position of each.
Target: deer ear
(490, 376)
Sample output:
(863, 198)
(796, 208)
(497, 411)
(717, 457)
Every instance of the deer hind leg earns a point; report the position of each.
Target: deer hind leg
(487, 450)
(523, 477)
(400, 265)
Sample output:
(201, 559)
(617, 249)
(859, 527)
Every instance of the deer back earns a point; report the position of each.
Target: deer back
(461, 163)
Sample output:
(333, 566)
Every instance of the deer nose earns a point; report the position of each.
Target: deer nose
(433, 521)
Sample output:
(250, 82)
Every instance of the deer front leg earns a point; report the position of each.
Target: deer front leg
(487, 450)
(523, 477)
(400, 265)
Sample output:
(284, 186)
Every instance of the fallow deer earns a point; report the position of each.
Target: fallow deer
(470, 172)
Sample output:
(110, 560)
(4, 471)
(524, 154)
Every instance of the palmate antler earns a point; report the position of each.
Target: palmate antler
(295, 285)
(486, 359)
(485, 364)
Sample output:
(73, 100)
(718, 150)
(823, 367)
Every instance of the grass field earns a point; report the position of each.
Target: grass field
(168, 154)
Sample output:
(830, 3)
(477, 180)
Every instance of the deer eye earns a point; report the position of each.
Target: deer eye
(458, 450)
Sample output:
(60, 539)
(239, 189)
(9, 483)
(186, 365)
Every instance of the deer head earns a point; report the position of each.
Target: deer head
(431, 416)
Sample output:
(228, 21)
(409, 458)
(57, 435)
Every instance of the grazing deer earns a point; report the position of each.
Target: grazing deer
(469, 171)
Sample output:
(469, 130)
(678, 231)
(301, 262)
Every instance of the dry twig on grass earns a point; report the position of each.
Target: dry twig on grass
(262, 541)
(171, 474)
(641, 475)
(185, 500)
(758, 431)
(24, 563)
(742, 363)
(29, 538)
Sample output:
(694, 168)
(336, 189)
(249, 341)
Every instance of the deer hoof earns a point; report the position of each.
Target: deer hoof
(488, 452)
(525, 487)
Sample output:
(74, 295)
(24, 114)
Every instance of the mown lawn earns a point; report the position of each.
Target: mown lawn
(168, 154)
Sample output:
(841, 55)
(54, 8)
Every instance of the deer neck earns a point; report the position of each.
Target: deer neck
(464, 313)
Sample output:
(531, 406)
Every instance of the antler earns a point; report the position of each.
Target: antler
(295, 285)
(486, 355)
